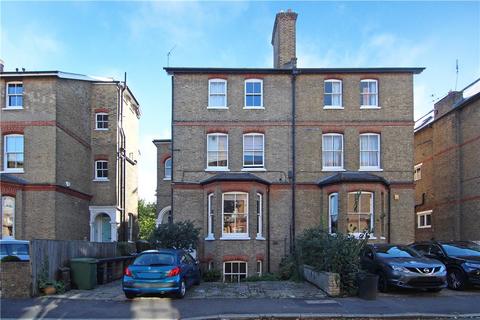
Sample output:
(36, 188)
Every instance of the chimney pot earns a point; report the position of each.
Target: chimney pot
(2, 65)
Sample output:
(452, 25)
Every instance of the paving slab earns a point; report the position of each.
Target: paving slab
(210, 290)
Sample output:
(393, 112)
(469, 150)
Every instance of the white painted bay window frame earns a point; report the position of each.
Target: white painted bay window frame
(372, 213)
(259, 208)
(332, 211)
(210, 216)
(236, 235)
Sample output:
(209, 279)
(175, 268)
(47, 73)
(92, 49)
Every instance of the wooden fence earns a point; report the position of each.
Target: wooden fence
(59, 252)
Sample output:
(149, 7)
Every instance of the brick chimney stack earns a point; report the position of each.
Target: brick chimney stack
(284, 40)
(2, 65)
(446, 103)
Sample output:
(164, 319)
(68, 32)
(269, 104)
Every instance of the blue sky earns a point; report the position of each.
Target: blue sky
(109, 38)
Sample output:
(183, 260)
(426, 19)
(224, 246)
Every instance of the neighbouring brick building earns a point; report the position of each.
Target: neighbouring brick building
(69, 157)
(447, 171)
(260, 154)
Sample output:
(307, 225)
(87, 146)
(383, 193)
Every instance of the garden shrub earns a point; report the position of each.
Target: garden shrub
(288, 269)
(179, 235)
(211, 275)
(264, 277)
(332, 253)
(10, 259)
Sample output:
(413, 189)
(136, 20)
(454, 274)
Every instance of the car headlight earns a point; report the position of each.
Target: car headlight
(397, 268)
(472, 265)
(442, 268)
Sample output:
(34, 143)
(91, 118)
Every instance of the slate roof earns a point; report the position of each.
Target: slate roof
(232, 176)
(351, 177)
(5, 177)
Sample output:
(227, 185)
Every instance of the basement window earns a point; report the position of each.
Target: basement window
(234, 271)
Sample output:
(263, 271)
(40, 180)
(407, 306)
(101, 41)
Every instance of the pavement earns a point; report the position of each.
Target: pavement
(203, 303)
(210, 290)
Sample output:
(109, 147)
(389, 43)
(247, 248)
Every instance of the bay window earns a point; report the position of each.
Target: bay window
(360, 212)
(8, 217)
(333, 213)
(235, 215)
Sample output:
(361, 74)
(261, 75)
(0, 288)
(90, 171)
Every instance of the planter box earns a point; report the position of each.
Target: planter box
(327, 281)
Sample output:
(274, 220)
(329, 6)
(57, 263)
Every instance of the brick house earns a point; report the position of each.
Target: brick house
(447, 175)
(69, 157)
(260, 154)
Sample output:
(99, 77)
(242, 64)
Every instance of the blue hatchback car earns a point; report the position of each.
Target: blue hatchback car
(161, 271)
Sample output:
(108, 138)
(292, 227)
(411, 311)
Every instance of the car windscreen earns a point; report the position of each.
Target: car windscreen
(14, 249)
(396, 252)
(155, 259)
(462, 249)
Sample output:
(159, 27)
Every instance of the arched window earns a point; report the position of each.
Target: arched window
(168, 169)
(8, 217)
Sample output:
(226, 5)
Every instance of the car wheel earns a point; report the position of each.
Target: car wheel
(183, 290)
(382, 282)
(434, 289)
(130, 295)
(456, 279)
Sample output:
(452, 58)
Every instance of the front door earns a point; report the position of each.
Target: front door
(106, 229)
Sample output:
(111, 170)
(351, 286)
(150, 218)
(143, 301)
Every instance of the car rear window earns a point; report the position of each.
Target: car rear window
(157, 259)
(462, 250)
(396, 252)
(14, 249)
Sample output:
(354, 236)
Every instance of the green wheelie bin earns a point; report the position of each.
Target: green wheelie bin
(84, 272)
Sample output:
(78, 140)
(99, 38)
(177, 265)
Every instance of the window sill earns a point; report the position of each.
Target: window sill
(333, 108)
(370, 107)
(99, 129)
(333, 169)
(217, 108)
(371, 169)
(253, 108)
(260, 238)
(234, 238)
(210, 238)
(212, 169)
(101, 180)
(12, 108)
(254, 169)
(167, 179)
(424, 227)
(12, 171)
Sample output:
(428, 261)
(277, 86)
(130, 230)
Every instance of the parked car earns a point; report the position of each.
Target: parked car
(462, 259)
(401, 266)
(161, 271)
(17, 248)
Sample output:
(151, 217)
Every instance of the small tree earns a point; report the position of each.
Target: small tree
(180, 235)
(146, 218)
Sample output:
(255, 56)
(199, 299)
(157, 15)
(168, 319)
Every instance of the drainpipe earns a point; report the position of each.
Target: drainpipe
(389, 214)
(121, 157)
(268, 229)
(172, 154)
(293, 82)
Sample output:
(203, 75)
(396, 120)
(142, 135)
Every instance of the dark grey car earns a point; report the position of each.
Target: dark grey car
(401, 266)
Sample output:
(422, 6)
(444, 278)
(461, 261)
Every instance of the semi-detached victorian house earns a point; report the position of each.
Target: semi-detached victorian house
(69, 157)
(260, 154)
